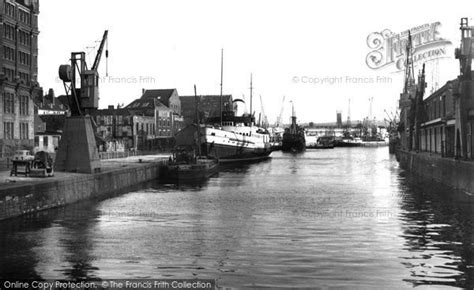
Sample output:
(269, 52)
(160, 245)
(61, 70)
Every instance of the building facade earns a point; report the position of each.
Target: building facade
(19, 73)
(122, 129)
(442, 123)
(49, 114)
(164, 106)
(209, 106)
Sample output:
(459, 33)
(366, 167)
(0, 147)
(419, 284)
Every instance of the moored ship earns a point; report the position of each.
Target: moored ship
(238, 139)
(294, 136)
(188, 166)
(231, 138)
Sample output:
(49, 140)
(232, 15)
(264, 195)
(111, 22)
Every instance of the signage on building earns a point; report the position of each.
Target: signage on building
(50, 112)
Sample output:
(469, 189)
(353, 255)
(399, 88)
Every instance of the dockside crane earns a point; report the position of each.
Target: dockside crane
(278, 122)
(77, 150)
(83, 97)
(264, 123)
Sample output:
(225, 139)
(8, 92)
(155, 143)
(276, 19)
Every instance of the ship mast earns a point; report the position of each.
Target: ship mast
(198, 140)
(409, 68)
(293, 129)
(251, 112)
(222, 78)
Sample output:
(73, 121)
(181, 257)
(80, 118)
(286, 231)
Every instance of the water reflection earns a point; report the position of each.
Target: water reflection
(438, 233)
(47, 245)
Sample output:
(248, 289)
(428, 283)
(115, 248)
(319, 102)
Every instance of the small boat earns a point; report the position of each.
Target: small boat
(186, 166)
(349, 142)
(324, 142)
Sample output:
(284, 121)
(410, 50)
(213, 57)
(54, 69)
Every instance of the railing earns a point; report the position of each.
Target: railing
(125, 154)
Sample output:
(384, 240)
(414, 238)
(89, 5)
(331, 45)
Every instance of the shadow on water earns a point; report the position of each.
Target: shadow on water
(29, 242)
(438, 228)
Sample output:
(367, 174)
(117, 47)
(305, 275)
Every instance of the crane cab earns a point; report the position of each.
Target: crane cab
(90, 90)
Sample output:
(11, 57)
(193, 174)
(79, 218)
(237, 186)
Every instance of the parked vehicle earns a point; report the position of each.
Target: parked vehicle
(42, 165)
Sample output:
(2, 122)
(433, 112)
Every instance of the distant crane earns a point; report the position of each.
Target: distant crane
(278, 122)
(349, 114)
(264, 123)
(371, 101)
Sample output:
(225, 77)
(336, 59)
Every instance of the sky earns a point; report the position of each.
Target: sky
(311, 52)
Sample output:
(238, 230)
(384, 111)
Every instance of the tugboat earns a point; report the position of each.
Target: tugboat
(293, 138)
(188, 164)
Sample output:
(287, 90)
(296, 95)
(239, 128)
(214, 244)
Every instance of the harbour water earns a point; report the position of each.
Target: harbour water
(343, 217)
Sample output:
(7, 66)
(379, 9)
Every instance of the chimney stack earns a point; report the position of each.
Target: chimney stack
(51, 96)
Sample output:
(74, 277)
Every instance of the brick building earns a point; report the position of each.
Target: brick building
(164, 106)
(209, 106)
(50, 114)
(123, 129)
(18, 73)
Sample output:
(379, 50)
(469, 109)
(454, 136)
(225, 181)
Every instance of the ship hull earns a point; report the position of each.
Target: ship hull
(293, 143)
(229, 153)
(193, 172)
(236, 144)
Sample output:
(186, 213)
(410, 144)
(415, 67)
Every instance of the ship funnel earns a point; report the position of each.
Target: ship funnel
(239, 104)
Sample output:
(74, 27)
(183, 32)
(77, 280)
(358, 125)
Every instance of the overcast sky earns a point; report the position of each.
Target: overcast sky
(176, 44)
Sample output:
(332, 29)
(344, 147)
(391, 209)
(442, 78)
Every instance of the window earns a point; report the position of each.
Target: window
(25, 77)
(8, 130)
(24, 16)
(24, 38)
(9, 9)
(9, 31)
(24, 106)
(24, 58)
(24, 131)
(36, 141)
(8, 103)
(8, 53)
(444, 105)
(45, 141)
(8, 73)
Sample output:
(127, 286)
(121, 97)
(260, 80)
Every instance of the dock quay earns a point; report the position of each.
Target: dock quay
(374, 144)
(23, 195)
(454, 173)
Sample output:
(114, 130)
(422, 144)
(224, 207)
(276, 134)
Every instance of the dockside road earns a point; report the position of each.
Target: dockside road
(20, 195)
